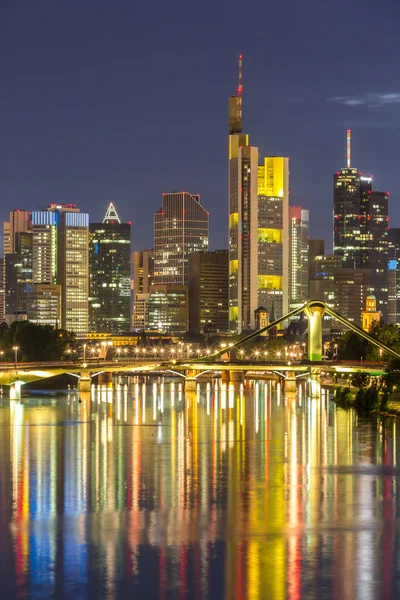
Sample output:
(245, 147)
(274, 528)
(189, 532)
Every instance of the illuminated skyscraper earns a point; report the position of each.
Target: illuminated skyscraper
(2, 290)
(143, 279)
(20, 222)
(60, 256)
(180, 228)
(298, 264)
(273, 234)
(243, 219)
(109, 274)
(18, 273)
(208, 291)
(361, 226)
(394, 276)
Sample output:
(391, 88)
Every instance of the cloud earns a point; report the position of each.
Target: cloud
(369, 100)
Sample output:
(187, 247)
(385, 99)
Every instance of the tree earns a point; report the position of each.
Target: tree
(387, 334)
(360, 379)
(36, 342)
(352, 346)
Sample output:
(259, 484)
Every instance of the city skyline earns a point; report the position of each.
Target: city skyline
(86, 132)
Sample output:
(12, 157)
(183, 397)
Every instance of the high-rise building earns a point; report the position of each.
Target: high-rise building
(273, 235)
(316, 247)
(375, 247)
(258, 226)
(18, 273)
(20, 222)
(394, 276)
(180, 228)
(60, 256)
(2, 291)
(298, 257)
(43, 304)
(243, 214)
(143, 271)
(44, 246)
(168, 308)
(360, 227)
(343, 289)
(109, 274)
(143, 279)
(208, 290)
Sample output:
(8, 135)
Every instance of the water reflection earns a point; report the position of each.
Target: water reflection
(230, 491)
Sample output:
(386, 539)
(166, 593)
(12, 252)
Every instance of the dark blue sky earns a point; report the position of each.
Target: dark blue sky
(119, 101)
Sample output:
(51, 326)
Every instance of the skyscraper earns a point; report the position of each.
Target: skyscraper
(243, 219)
(109, 274)
(394, 276)
(180, 228)
(60, 256)
(143, 279)
(360, 227)
(2, 291)
(299, 219)
(20, 222)
(18, 273)
(208, 291)
(273, 235)
(258, 225)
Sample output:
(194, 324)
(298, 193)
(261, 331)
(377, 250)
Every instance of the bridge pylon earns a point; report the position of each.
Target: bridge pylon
(315, 313)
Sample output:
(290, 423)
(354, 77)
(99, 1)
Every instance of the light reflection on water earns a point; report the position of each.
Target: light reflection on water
(230, 491)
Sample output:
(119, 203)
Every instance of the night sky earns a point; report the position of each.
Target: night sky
(120, 101)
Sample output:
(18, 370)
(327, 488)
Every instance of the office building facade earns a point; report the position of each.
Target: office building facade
(299, 220)
(393, 273)
(18, 273)
(168, 308)
(208, 291)
(361, 228)
(60, 256)
(109, 274)
(273, 236)
(43, 304)
(180, 228)
(143, 279)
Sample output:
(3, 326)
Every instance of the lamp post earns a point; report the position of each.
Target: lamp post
(84, 352)
(16, 348)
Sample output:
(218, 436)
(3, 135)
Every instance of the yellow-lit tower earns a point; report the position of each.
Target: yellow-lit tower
(243, 268)
(273, 234)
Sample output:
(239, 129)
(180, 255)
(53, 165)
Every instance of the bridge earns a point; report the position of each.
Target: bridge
(222, 362)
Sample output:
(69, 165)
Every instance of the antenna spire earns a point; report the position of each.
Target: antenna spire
(111, 214)
(348, 148)
(240, 79)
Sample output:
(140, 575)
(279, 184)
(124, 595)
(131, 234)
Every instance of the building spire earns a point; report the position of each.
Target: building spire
(348, 148)
(240, 78)
(111, 214)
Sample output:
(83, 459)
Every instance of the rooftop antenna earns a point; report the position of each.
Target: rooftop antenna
(240, 80)
(111, 214)
(348, 148)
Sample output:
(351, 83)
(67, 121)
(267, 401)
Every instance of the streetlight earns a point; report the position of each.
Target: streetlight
(380, 353)
(394, 388)
(16, 348)
(84, 353)
(278, 354)
(1, 354)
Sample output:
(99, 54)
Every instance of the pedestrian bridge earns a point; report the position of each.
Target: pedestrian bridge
(222, 362)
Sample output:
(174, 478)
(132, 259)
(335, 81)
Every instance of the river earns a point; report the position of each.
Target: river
(233, 491)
